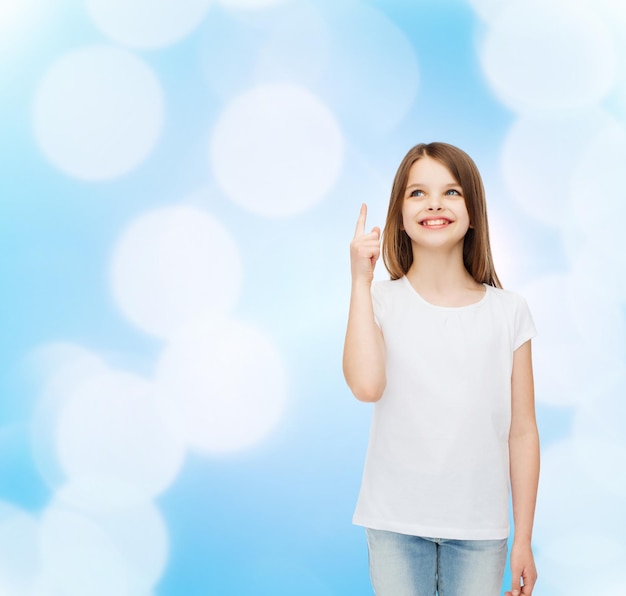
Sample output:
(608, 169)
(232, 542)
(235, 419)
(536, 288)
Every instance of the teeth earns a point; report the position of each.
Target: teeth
(434, 222)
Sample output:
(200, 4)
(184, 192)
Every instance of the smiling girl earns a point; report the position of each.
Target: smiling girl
(445, 354)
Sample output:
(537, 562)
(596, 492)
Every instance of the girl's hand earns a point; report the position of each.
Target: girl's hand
(523, 570)
(364, 250)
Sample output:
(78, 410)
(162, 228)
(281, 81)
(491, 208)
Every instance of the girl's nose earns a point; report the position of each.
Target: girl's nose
(434, 202)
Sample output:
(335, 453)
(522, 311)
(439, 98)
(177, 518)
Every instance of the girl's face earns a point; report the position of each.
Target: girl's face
(434, 214)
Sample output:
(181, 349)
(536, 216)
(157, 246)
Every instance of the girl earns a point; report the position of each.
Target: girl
(445, 354)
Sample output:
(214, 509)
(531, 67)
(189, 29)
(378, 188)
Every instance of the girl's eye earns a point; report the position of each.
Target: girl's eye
(417, 193)
(453, 191)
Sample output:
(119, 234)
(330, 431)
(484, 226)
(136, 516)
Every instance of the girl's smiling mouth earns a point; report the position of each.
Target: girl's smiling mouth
(435, 222)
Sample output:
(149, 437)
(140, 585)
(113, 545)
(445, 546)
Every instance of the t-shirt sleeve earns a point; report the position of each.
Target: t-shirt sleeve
(524, 325)
(377, 301)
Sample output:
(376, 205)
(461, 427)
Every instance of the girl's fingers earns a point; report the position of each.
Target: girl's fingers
(360, 223)
(372, 237)
(364, 248)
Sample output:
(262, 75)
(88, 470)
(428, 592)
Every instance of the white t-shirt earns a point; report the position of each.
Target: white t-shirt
(437, 463)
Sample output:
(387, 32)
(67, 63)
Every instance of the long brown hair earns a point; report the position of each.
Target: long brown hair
(396, 244)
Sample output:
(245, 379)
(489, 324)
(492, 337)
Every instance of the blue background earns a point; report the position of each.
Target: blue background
(270, 513)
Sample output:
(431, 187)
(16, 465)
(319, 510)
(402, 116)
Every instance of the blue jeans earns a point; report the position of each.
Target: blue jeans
(402, 565)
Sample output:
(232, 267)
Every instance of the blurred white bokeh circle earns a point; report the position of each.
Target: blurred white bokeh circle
(98, 112)
(59, 363)
(20, 557)
(598, 436)
(613, 11)
(568, 492)
(174, 265)
(122, 552)
(265, 49)
(581, 347)
(147, 23)
(97, 493)
(60, 368)
(79, 557)
(111, 427)
(137, 534)
(598, 192)
(287, 55)
(251, 4)
(222, 386)
(140, 535)
(595, 556)
(540, 157)
(603, 265)
(373, 73)
(276, 150)
(549, 56)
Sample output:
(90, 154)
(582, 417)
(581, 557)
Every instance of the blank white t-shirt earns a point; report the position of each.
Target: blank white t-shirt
(437, 463)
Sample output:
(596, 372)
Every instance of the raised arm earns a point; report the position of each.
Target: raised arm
(364, 350)
(524, 461)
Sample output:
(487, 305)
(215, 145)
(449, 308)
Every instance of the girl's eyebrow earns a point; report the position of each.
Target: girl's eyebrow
(450, 185)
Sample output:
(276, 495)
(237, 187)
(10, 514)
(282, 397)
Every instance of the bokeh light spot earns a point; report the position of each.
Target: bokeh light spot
(223, 387)
(60, 368)
(602, 265)
(111, 427)
(276, 150)
(373, 74)
(251, 4)
(595, 557)
(147, 23)
(598, 435)
(98, 112)
(174, 265)
(567, 493)
(136, 533)
(549, 56)
(287, 55)
(20, 560)
(79, 557)
(540, 157)
(581, 339)
(597, 184)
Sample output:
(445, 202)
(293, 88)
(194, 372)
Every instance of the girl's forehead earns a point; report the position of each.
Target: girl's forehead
(427, 170)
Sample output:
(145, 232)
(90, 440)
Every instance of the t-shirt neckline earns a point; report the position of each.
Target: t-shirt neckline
(437, 306)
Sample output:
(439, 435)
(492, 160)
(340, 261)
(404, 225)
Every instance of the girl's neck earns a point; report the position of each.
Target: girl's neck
(441, 278)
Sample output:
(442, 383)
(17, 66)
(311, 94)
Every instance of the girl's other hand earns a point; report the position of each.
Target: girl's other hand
(364, 250)
(523, 571)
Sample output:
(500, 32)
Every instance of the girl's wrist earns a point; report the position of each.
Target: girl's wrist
(360, 282)
(523, 540)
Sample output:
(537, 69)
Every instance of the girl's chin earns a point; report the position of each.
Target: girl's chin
(436, 241)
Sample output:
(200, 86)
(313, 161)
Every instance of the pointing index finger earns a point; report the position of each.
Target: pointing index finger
(360, 223)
